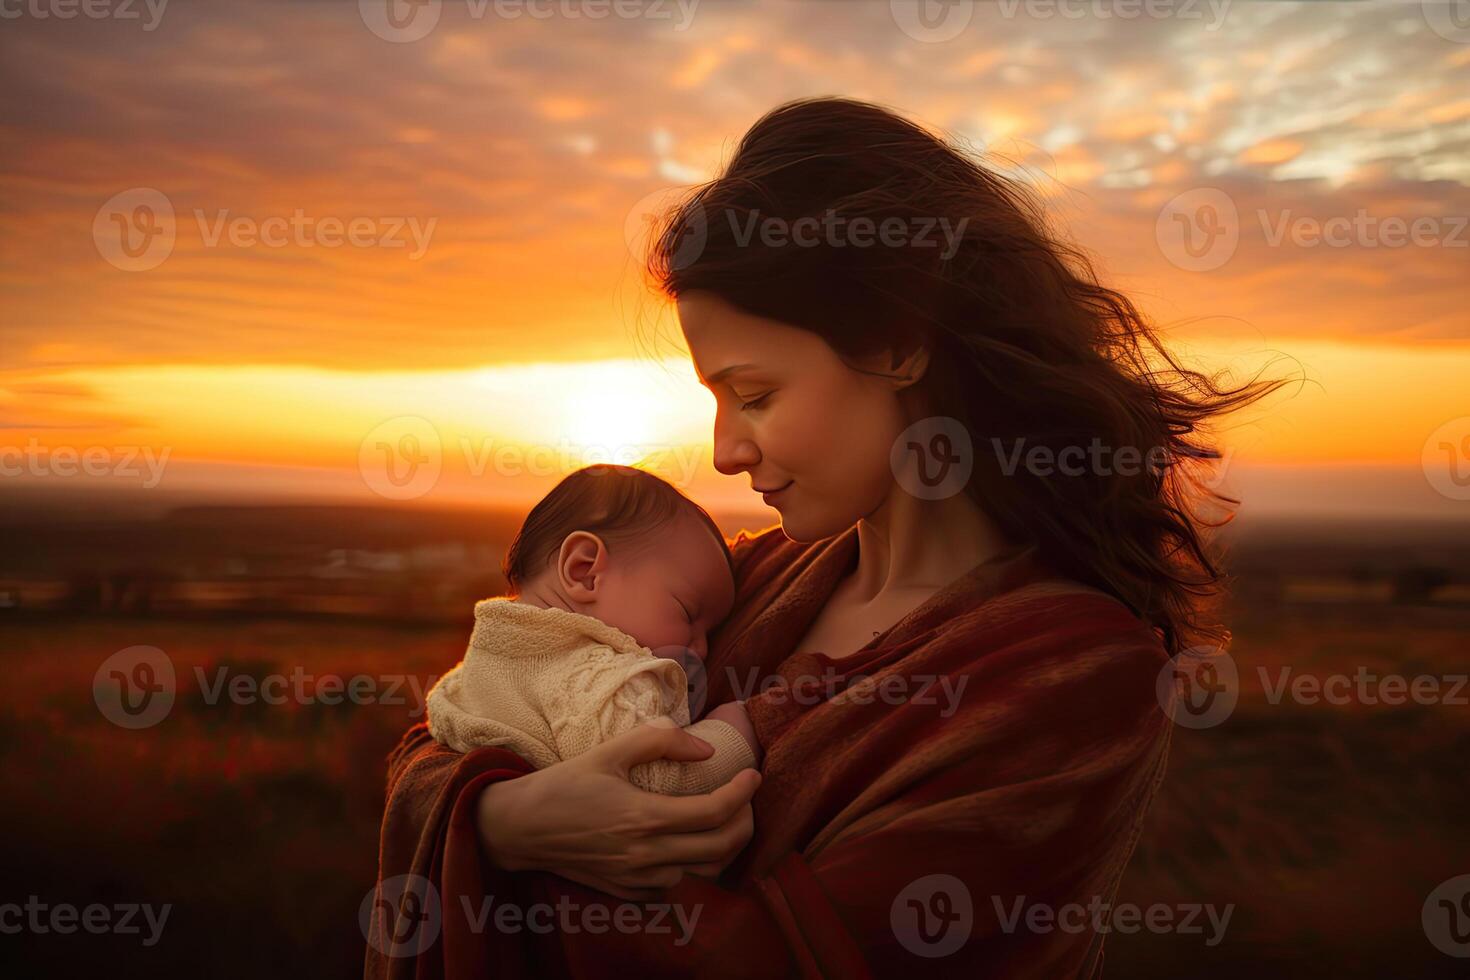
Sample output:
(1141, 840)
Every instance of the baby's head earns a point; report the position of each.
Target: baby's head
(627, 548)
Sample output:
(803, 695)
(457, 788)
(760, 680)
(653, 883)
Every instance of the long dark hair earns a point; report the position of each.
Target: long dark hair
(1027, 349)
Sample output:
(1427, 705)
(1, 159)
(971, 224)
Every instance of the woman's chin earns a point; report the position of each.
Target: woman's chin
(801, 525)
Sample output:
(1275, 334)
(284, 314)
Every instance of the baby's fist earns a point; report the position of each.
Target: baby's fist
(733, 713)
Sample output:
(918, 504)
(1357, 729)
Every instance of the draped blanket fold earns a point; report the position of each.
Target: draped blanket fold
(993, 752)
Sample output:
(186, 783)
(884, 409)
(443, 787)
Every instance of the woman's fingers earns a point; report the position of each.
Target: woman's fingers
(585, 821)
(709, 811)
(707, 847)
(661, 839)
(674, 814)
(657, 739)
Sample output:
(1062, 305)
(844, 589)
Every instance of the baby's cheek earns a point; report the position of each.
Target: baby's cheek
(668, 638)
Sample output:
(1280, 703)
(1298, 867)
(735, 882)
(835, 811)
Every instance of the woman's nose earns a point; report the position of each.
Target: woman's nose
(734, 449)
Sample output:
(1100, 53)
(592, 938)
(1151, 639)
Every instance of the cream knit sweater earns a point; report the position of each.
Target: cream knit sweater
(550, 684)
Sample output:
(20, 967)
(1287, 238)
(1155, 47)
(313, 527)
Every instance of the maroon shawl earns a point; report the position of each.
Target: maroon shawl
(1025, 786)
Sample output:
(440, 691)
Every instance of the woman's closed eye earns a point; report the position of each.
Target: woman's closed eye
(746, 406)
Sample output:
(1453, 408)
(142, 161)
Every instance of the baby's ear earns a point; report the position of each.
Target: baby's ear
(580, 563)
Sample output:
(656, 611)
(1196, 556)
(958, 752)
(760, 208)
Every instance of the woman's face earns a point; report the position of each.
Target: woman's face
(794, 416)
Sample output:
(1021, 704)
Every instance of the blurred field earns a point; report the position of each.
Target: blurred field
(1327, 826)
(258, 823)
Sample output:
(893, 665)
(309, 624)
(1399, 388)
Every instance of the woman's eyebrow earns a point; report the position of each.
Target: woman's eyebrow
(725, 372)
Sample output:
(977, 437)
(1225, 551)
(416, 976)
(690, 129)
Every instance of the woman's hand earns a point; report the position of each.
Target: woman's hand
(583, 820)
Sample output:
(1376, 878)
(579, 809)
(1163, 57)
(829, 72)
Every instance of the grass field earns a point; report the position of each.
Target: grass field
(1324, 825)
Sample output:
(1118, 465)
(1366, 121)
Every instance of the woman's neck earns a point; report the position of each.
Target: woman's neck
(913, 544)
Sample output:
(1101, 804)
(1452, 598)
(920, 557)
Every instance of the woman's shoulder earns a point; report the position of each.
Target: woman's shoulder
(1021, 606)
(1056, 616)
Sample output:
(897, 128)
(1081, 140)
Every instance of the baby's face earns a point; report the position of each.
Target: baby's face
(672, 594)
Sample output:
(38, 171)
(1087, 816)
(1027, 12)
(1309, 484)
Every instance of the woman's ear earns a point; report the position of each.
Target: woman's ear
(899, 367)
(580, 565)
(910, 367)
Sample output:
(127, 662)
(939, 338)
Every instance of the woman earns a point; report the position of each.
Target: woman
(984, 464)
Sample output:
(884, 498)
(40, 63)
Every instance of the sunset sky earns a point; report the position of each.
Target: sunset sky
(495, 171)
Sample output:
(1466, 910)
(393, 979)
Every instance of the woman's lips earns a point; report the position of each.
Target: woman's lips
(773, 495)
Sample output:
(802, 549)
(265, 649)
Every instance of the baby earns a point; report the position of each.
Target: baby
(616, 577)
